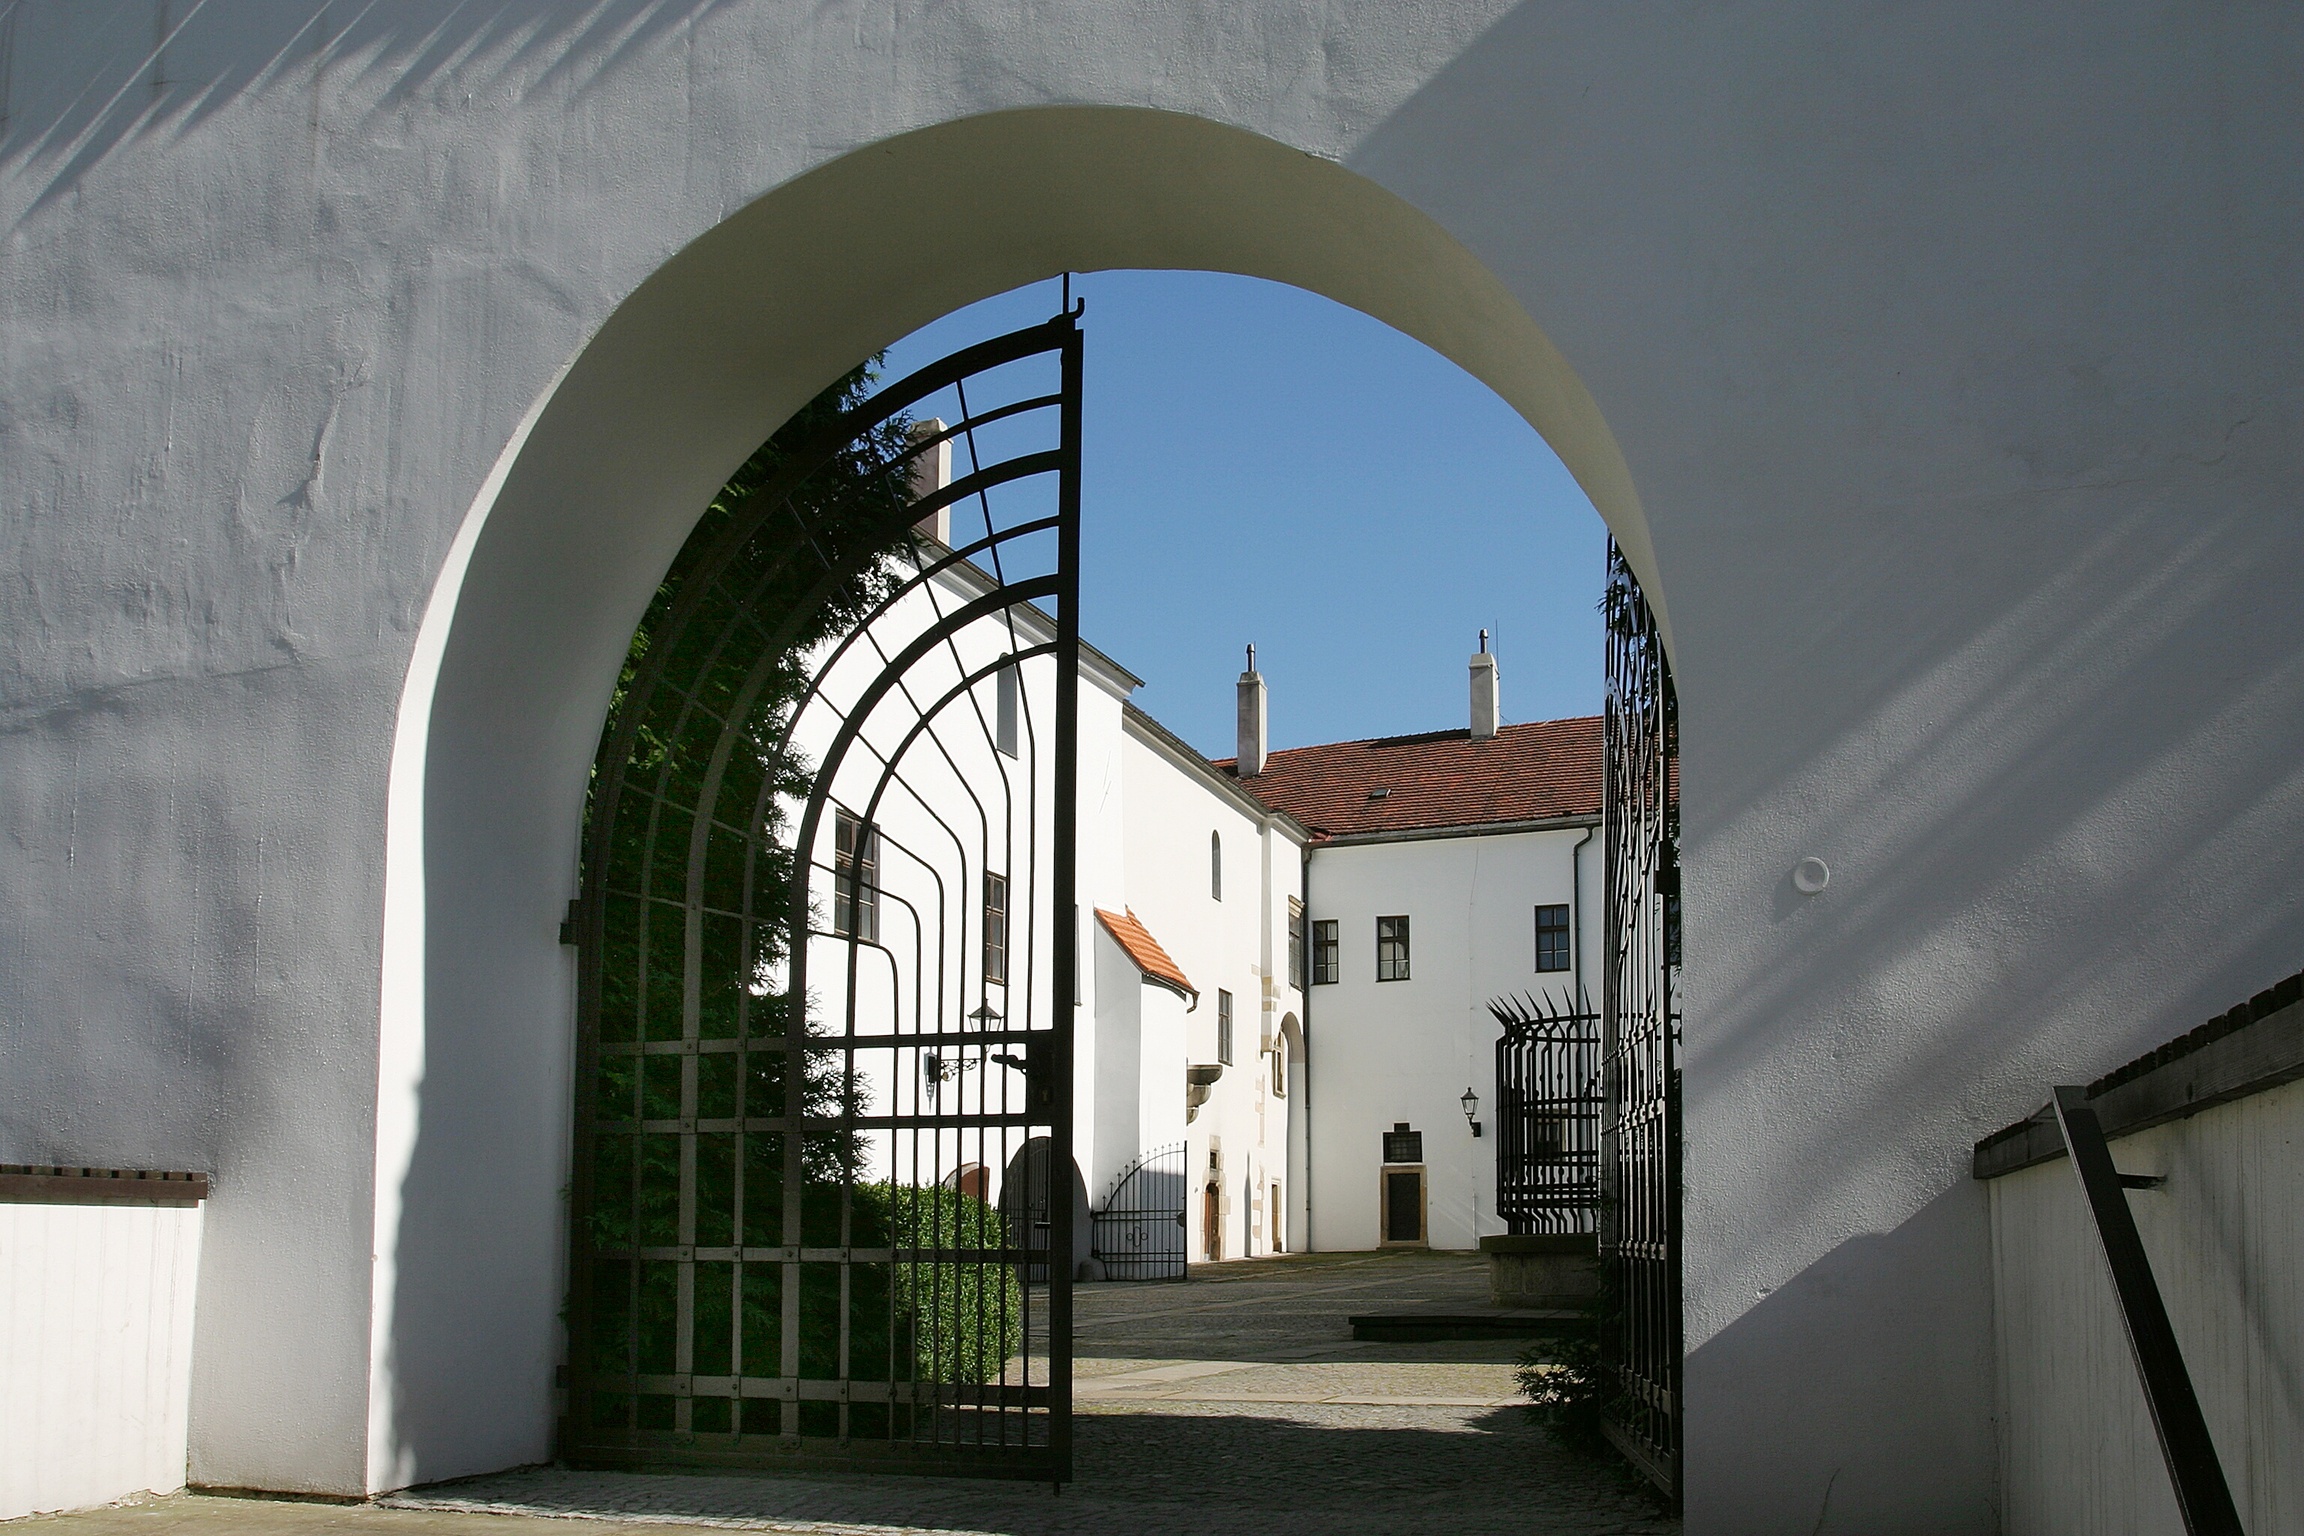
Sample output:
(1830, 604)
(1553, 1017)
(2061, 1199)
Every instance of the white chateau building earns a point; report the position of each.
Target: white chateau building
(1445, 870)
(1287, 957)
(1293, 964)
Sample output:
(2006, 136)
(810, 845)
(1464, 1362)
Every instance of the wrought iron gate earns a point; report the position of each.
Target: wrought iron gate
(826, 944)
(1140, 1229)
(1548, 1117)
(1640, 1040)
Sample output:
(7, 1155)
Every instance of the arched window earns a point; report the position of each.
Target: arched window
(1215, 866)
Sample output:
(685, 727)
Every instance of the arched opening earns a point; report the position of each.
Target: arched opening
(1291, 1066)
(555, 562)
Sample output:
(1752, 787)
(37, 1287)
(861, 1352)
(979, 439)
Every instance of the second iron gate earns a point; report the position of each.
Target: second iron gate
(1547, 1117)
(826, 950)
(1640, 1039)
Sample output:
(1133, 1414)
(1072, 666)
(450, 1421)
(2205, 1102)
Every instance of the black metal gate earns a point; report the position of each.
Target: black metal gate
(1548, 1117)
(1640, 1040)
(1140, 1227)
(826, 945)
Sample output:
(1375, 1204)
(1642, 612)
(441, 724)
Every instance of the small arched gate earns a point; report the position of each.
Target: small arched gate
(826, 950)
(1140, 1227)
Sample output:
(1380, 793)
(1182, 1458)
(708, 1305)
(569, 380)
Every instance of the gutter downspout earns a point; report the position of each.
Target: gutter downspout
(1576, 914)
(1304, 1026)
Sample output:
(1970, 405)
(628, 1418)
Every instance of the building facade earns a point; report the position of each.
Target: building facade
(1288, 958)
(1445, 871)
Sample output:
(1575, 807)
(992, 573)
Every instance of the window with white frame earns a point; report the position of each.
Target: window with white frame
(1295, 943)
(1326, 960)
(855, 878)
(1552, 944)
(1224, 1027)
(995, 929)
(1392, 949)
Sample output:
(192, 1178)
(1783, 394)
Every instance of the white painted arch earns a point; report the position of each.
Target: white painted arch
(1957, 351)
(529, 621)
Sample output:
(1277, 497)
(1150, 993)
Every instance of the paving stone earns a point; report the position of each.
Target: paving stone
(1233, 1404)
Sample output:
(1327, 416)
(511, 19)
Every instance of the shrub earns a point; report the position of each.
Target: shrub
(966, 1319)
(1567, 1389)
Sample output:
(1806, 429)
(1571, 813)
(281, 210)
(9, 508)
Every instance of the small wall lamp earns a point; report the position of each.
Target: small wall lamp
(1471, 1103)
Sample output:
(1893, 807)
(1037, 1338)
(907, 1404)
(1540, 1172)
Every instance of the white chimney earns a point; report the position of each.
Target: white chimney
(1487, 711)
(931, 472)
(1251, 719)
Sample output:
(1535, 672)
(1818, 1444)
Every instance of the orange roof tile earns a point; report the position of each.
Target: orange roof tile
(1530, 772)
(1145, 950)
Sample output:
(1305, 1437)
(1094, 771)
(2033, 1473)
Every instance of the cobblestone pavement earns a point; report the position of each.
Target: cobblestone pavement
(1235, 1403)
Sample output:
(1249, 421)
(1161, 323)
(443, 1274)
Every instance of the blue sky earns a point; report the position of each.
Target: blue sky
(1261, 464)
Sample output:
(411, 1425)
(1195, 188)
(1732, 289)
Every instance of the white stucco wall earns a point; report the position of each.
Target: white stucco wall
(1404, 1051)
(360, 370)
(1237, 944)
(2225, 1236)
(96, 1308)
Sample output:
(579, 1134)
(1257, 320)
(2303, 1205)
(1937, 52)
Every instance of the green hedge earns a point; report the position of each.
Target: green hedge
(967, 1320)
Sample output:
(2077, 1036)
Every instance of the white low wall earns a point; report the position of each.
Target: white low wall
(2226, 1239)
(95, 1352)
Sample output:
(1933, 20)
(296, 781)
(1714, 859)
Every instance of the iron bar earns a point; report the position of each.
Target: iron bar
(1139, 1230)
(1548, 1081)
(2202, 1496)
(789, 1243)
(1639, 1164)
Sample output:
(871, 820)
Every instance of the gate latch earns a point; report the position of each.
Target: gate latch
(1039, 1068)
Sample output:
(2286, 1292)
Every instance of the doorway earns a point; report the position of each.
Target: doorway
(530, 632)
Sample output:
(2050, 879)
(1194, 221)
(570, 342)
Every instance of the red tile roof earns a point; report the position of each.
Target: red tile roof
(1531, 772)
(1145, 950)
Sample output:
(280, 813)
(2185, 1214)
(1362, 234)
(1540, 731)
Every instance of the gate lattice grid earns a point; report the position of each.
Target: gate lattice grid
(1548, 1071)
(1140, 1227)
(1640, 1333)
(826, 952)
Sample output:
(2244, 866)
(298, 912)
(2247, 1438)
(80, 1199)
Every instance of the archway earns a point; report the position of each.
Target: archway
(1291, 1069)
(554, 563)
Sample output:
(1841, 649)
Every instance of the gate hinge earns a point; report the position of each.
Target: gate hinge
(568, 923)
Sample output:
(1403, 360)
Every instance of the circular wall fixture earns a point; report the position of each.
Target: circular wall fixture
(1811, 875)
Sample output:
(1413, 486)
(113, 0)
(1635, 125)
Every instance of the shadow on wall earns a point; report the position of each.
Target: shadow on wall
(1914, 1306)
(2028, 585)
(2033, 605)
(55, 127)
(2000, 747)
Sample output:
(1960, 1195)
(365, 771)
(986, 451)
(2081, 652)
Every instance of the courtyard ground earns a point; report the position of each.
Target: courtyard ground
(1233, 1403)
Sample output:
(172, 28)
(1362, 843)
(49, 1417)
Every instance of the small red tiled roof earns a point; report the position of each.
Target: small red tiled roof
(1531, 772)
(1145, 950)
